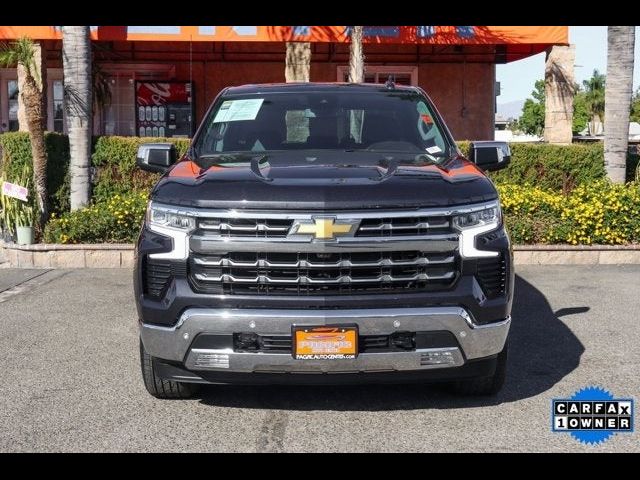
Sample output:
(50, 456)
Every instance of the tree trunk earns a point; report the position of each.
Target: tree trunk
(558, 94)
(78, 101)
(356, 57)
(22, 115)
(298, 62)
(38, 71)
(32, 98)
(617, 100)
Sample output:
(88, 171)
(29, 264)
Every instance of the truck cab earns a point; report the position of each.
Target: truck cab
(323, 233)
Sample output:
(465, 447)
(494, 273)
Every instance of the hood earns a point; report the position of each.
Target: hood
(326, 181)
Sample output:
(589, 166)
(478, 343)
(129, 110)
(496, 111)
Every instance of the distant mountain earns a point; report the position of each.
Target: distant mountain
(510, 109)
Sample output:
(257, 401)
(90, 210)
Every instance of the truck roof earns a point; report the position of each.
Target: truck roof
(312, 87)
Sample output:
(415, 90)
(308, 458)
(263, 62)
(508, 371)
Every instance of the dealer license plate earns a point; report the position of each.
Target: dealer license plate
(328, 342)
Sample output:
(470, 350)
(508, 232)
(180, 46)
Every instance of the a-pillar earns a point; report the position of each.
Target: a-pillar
(559, 82)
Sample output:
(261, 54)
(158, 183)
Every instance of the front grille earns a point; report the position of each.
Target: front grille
(403, 226)
(156, 275)
(492, 276)
(245, 227)
(321, 273)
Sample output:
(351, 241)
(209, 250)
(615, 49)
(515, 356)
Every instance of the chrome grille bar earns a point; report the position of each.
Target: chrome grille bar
(258, 227)
(343, 279)
(414, 226)
(264, 263)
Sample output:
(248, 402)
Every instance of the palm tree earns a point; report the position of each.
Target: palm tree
(356, 56)
(620, 48)
(76, 58)
(594, 95)
(21, 54)
(297, 62)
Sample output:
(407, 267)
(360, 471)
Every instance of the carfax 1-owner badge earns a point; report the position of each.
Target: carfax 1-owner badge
(592, 415)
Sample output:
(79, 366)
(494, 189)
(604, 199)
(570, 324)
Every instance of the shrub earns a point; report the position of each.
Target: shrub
(555, 167)
(117, 220)
(597, 213)
(115, 162)
(16, 153)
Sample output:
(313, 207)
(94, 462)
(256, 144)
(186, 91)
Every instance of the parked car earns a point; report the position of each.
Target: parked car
(323, 233)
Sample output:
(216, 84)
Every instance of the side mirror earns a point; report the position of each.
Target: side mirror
(490, 155)
(156, 157)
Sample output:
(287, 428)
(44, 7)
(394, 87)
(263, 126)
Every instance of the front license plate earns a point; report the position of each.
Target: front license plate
(329, 342)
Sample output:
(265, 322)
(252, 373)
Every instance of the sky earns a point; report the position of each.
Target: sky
(517, 78)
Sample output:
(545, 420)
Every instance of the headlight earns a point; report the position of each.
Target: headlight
(487, 216)
(472, 224)
(162, 217)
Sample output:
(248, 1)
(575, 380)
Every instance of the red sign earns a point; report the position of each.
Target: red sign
(161, 93)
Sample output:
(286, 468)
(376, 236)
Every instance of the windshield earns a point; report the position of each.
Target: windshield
(394, 121)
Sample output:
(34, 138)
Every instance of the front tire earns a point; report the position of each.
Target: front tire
(160, 388)
(490, 385)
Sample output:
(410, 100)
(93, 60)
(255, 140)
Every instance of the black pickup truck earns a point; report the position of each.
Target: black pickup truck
(323, 233)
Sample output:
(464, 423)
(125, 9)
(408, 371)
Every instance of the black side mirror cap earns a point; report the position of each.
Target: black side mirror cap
(156, 157)
(490, 155)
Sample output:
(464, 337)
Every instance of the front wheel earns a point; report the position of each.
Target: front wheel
(160, 388)
(485, 385)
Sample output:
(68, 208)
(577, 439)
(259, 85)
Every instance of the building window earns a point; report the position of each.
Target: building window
(402, 75)
(58, 106)
(119, 115)
(12, 96)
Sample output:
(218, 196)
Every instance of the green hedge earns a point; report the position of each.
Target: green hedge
(552, 167)
(115, 162)
(16, 152)
(555, 167)
(597, 213)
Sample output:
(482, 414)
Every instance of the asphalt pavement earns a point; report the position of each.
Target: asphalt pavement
(70, 378)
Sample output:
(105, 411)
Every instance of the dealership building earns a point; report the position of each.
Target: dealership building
(163, 78)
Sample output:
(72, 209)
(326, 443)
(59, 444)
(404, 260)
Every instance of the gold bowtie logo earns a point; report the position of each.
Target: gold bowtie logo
(324, 228)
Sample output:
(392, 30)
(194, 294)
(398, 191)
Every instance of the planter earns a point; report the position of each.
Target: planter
(24, 235)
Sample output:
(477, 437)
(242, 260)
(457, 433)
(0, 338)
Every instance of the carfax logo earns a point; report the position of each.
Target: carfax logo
(592, 415)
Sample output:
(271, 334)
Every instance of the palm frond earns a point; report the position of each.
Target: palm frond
(19, 52)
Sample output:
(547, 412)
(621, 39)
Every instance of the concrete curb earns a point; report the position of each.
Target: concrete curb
(109, 255)
(48, 255)
(576, 254)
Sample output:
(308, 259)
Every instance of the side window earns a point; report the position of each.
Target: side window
(297, 122)
(214, 137)
(429, 133)
(356, 119)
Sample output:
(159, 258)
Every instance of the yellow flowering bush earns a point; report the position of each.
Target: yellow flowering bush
(115, 220)
(596, 213)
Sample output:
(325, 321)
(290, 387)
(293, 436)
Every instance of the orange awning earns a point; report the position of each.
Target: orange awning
(517, 41)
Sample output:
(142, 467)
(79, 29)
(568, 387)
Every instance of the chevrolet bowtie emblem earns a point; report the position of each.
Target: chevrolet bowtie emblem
(324, 228)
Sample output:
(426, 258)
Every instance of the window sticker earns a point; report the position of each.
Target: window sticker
(422, 108)
(434, 149)
(238, 110)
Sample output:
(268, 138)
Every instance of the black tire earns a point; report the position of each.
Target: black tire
(490, 385)
(160, 388)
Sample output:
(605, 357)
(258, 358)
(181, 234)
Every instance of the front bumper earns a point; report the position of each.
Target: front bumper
(173, 344)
